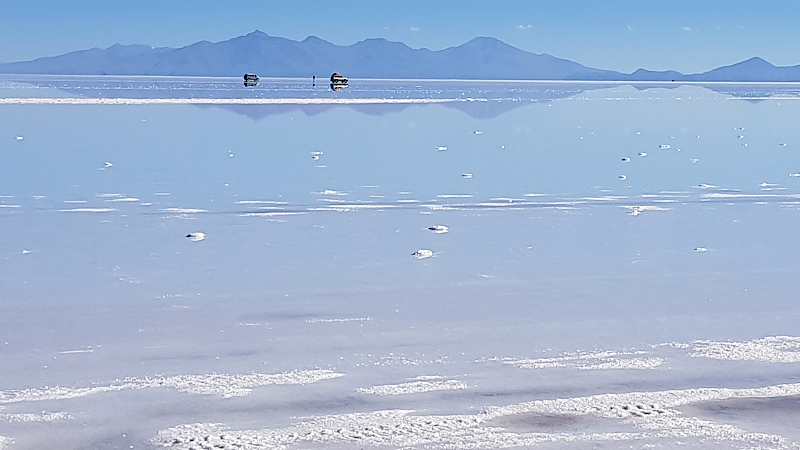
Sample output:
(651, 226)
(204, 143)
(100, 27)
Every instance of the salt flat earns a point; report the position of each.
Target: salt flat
(563, 307)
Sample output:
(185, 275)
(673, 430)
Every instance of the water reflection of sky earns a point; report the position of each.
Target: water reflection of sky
(549, 251)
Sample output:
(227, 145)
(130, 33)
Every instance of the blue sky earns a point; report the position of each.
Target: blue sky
(686, 35)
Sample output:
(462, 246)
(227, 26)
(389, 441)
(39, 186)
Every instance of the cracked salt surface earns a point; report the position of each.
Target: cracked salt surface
(651, 414)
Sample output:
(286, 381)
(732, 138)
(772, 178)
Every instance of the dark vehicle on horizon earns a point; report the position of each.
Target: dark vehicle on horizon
(250, 79)
(338, 81)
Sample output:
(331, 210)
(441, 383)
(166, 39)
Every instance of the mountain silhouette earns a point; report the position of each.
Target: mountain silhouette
(483, 58)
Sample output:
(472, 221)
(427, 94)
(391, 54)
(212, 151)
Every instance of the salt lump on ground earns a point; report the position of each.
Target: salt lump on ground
(423, 253)
(196, 236)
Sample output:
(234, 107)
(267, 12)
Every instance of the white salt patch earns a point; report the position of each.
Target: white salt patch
(271, 214)
(68, 352)
(643, 154)
(331, 192)
(221, 385)
(635, 210)
(183, 210)
(534, 195)
(19, 138)
(351, 319)
(109, 195)
(88, 210)
(605, 198)
(776, 349)
(74, 201)
(441, 148)
(107, 164)
(258, 202)
(748, 196)
(30, 417)
(604, 360)
(454, 196)
(9, 206)
(355, 207)
(408, 201)
(160, 194)
(123, 199)
(415, 387)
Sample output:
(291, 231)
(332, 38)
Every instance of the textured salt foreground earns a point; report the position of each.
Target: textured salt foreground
(563, 306)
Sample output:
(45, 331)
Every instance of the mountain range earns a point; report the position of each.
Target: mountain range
(482, 58)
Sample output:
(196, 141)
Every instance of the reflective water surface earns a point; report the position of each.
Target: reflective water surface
(619, 267)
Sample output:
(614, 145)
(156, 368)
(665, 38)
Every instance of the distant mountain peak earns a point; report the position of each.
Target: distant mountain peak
(256, 33)
(271, 56)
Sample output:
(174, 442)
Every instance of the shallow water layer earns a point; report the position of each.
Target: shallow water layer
(617, 264)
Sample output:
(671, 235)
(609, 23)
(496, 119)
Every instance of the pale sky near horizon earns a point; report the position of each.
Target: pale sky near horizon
(686, 35)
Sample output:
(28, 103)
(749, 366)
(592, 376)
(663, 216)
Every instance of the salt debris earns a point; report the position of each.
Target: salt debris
(220, 385)
(652, 416)
(19, 138)
(423, 253)
(603, 360)
(196, 236)
(30, 417)
(439, 229)
(416, 387)
(775, 349)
